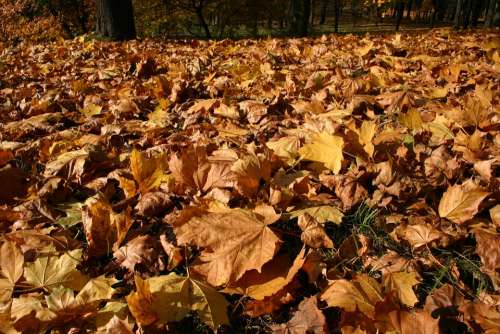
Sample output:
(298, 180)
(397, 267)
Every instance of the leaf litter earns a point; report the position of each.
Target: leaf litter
(315, 185)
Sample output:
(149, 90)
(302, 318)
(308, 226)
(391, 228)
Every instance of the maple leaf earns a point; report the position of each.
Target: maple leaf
(140, 250)
(361, 293)
(366, 134)
(420, 235)
(73, 164)
(153, 203)
(402, 282)
(194, 169)
(96, 289)
(324, 148)
(249, 171)
(148, 172)
(322, 213)
(286, 148)
(140, 303)
(233, 242)
(487, 249)
(307, 319)
(11, 267)
(274, 276)
(171, 297)
(49, 272)
(313, 233)
(118, 326)
(104, 229)
(460, 204)
(418, 322)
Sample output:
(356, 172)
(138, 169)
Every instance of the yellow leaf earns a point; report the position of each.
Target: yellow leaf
(324, 148)
(171, 297)
(97, 289)
(411, 120)
(49, 272)
(286, 147)
(402, 283)
(322, 213)
(91, 110)
(361, 293)
(148, 172)
(11, 262)
(460, 204)
(366, 134)
(140, 303)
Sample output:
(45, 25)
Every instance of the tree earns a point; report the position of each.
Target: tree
(490, 14)
(115, 19)
(400, 7)
(301, 11)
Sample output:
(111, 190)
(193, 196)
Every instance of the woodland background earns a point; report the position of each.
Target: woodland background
(52, 19)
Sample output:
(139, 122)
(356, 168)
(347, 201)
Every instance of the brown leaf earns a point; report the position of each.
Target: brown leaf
(140, 250)
(105, 230)
(153, 203)
(313, 233)
(233, 242)
(416, 322)
(488, 248)
(308, 319)
(443, 297)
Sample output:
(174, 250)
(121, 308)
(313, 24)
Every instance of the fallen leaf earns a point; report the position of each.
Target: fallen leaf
(326, 149)
(234, 242)
(171, 297)
(459, 204)
(308, 319)
(313, 233)
(49, 272)
(362, 293)
(402, 283)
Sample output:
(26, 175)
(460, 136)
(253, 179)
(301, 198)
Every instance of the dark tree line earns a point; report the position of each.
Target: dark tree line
(114, 19)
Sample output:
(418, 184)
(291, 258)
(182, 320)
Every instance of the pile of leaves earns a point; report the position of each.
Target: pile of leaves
(323, 185)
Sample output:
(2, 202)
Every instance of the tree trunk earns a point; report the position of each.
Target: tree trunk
(467, 9)
(115, 19)
(490, 14)
(203, 23)
(458, 14)
(476, 12)
(400, 7)
(410, 5)
(301, 11)
(337, 14)
(323, 12)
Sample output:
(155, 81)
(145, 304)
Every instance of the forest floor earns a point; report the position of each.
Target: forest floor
(322, 185)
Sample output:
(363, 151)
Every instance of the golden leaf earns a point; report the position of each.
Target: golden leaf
(361, 293)
(459, 204)
(324, 148)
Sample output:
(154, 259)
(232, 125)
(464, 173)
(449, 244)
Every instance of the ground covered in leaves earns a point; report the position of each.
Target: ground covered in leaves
(324, 185)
